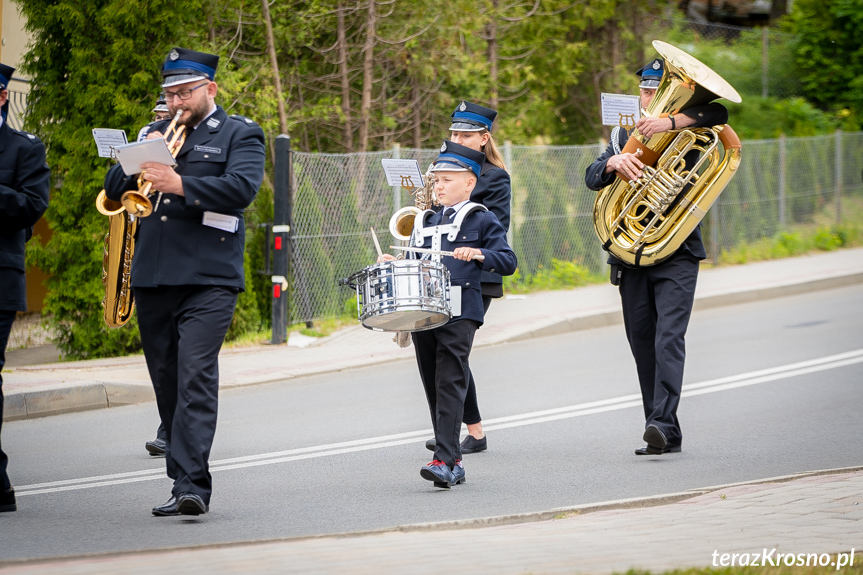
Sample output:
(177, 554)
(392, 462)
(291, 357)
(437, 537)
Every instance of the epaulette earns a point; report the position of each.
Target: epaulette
(30, 137)
(244, 119)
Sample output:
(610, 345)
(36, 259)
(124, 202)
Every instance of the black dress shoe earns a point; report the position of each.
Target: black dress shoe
(7, 500)
(667, 449)
(655, 439)
(471, 444)
(431, 444)
(155, 447)
(191, 504)
(167, 509)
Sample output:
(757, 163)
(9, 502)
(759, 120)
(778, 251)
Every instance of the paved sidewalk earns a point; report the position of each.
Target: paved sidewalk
(804, 514)
(48, 389)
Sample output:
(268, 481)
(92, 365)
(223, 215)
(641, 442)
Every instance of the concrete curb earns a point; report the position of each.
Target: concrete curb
(99, 395)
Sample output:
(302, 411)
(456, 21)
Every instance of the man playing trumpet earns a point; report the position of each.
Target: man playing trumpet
(188, 265)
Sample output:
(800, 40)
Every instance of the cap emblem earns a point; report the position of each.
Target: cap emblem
(174, 55)
(443, 147)
(463, 107)
(656, 64)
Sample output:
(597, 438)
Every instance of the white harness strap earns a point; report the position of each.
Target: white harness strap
(435, 232)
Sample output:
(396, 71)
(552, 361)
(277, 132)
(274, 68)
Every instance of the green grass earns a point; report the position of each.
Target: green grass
(561, 275)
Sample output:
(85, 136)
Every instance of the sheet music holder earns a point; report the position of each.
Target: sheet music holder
(404, 173)
(131, 156)
(106, 139)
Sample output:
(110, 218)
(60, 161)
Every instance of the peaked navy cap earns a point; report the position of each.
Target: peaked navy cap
(457, 158)
(161, 106)
(5, 75)
(182, 65)
(651, 73)
(470, 117)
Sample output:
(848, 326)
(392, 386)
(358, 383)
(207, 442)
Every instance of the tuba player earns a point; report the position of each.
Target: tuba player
(188, 265)
(657, 300)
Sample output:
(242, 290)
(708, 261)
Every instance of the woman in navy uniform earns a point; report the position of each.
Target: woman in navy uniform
(188, 265)
(442, 353)
(471, 127)
(24, 179)
(657, 300)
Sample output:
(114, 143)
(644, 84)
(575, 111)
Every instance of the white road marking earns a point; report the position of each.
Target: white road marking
(380, 442)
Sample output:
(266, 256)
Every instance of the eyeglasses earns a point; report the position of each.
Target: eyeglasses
(182, 94)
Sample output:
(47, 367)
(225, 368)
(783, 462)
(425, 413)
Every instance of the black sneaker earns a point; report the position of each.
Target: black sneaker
(471, 444)
(155, 447)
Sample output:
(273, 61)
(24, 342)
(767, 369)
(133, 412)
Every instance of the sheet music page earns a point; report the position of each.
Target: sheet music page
(107, 138)
(131, 156)
(620, 109)
(405, 173)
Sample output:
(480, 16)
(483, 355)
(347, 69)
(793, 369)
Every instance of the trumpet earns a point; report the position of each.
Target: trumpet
(137, 202)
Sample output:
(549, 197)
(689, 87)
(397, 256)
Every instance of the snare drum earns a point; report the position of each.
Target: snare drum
(403, 295)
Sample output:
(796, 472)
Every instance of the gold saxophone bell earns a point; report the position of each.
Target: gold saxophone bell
(645, 221)
(137, 202)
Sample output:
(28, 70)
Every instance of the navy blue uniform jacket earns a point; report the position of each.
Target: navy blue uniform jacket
(493, 190)
(480, 229)
(596, 178)
(222, 165)
(24, 179)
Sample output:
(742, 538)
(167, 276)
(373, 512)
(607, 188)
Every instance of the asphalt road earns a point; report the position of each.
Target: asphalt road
(342, 452)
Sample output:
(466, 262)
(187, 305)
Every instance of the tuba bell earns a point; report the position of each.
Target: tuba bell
(402, 222)
(643, 222)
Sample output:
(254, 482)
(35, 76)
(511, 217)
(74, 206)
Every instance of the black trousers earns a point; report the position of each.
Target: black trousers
(471, 407)
(442, 354)
(182, 331)
(657, 303)
(6, 320)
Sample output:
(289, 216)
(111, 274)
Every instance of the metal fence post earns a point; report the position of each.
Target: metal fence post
(714, 231)
(281, 237)
(839, 176)
(782, 208)
(507, 160)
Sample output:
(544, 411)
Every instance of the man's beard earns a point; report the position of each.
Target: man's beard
(194, 116)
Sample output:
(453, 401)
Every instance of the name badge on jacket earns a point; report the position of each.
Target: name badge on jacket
(221, 221)
(208, 149)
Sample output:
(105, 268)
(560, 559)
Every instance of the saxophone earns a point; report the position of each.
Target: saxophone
(117, 261)
(643, 222)
(118, 302)
(402, 222)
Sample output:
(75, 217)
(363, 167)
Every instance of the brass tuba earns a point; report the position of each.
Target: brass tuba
(117, 261)
(645, 221)
(402, 222)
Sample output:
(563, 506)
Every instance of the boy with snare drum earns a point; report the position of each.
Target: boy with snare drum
(478, 242)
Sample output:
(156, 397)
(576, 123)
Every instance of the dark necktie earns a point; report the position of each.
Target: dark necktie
(448, 214)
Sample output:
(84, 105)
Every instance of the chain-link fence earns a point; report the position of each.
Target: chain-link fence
(780, 184)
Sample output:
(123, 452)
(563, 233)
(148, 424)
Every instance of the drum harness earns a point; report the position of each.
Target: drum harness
(436, 232)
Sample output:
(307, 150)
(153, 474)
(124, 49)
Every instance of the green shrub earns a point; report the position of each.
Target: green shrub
(561, 275)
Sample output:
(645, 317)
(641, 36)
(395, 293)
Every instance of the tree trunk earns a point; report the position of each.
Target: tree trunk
(491, 54)
(368, 61)
(417, 115)
(343, 73)
(274, 62)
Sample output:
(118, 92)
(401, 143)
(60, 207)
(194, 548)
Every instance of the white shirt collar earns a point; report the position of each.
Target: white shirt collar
(213, 111)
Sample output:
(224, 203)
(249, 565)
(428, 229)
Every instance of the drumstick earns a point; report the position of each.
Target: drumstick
(377, 244)
(478, 257)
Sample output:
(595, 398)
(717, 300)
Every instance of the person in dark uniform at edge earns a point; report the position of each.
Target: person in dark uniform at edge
(442, 353)
(656, 300)
(24, 189)
(188, 265)
(471, 127)
(160, 112)
(156, 447)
